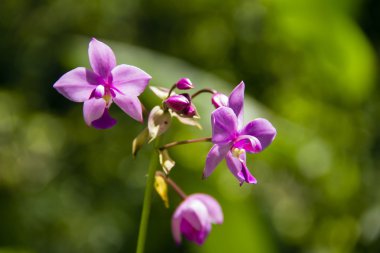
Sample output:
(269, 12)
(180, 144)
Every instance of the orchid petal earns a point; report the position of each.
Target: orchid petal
(213, 207)
(235, 165)
(214, 157)
(93, 109)
(129, 80)
(77, 84)
(224, 125)
(219, 99)
(176, 226)
(246, 174)
(236, 102)
(196, 213)
(131, 105)
(262, 129)
(102, 58)
(105, 121)
(248, 143)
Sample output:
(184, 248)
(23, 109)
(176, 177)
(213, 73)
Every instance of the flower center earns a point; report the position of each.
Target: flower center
(104, 91)
(237, 152)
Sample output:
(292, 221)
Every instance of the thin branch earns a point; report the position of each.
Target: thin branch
(173, 144)
(206, 90)
(175, 187)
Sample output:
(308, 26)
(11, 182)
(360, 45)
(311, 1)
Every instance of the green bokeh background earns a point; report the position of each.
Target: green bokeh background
(311, 67)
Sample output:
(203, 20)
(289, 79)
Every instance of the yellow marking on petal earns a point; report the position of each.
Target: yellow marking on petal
(107, 98)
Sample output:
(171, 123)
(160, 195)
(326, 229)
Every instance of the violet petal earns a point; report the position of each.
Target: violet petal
(176, 226)
(102, 58)
(235, 165)
(105, 121)
(129, 80)
(213, 207)
(262, 129)
(246, 174)
(248, 143)
(236, 102)
(219, 99)
(77, 84)
(224, 125)
(93, 109)
(131, 105)
(214, 157)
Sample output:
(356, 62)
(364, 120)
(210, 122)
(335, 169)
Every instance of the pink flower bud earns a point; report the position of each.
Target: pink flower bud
(178, 103)
(219, 99)
(184, 84)
(194, 216)
(190, 111)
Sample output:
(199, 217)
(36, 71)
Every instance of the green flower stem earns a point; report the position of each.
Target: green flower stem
(147, 201)
(173, 144)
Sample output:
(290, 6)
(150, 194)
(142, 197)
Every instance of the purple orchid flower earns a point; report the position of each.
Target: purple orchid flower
(232, 140)
(194, 216)
(104, 84)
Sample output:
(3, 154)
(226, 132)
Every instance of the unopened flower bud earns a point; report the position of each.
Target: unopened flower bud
(219, 99)
(184, 84)
(190, 111)
(177, 103)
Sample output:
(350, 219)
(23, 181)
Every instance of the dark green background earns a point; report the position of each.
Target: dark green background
(311, 67)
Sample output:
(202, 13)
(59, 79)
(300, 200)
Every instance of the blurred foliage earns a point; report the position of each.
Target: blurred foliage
(311, 66)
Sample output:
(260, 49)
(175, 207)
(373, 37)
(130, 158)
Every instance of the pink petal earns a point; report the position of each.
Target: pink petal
(214, 157)
(246, 174)
(176, 223)
(93, 109)
(195, 212)
(219, 99)
(248, 143)
(235, 165)
(262, 129)
(131, 105)
(102, 58)
(236, 102)
(77, 84)
(105, 121)
(224, 125)
(129, 80)
(213, 207)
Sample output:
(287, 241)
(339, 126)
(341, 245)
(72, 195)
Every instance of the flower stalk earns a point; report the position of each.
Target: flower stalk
(170, 182)
(176, 143)
(147, 201)
(206, 90)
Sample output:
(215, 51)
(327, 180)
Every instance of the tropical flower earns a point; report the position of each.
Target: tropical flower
(104, 84)
(194, 216)
(232, 140)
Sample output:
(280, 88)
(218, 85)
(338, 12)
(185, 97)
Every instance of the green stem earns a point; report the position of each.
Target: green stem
(147, 201)
(173, 144)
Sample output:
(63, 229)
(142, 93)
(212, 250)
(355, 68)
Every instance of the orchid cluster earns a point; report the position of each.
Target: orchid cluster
(109, 83)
